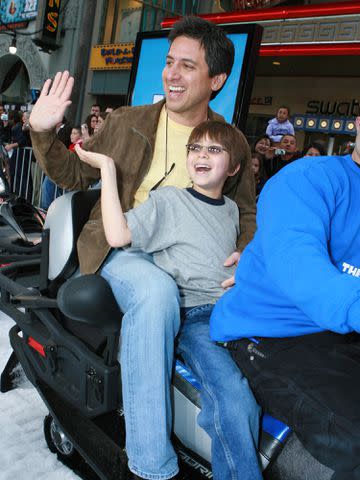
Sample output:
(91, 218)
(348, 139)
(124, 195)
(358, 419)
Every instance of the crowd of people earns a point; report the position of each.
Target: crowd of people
(278, 147)
(170, 257)
(15, 135)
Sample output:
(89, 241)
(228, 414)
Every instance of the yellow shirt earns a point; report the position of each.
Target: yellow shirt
(175, 136)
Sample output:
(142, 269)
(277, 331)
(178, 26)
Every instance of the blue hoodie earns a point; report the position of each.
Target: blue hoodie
(276, 129)
(301, 273)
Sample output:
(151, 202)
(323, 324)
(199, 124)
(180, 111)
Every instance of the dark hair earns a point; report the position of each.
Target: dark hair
(95, 105)
(286, 107)
(318, 146)
(262, 173)
(288, 135)
(77, 127)
(263, 137)
(103, 115)
(219, 49)
(14, 116)
(88, 122)
(228, 136)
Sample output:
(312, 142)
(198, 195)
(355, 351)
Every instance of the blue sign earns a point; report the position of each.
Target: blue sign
(15, 11)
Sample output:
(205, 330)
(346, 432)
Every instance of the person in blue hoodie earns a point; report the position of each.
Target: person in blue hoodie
(292, 320)
(280, 125)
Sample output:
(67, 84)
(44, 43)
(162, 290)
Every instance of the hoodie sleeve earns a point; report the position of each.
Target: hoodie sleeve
(295, 235)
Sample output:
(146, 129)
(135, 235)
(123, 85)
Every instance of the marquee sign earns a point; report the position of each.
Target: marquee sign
(112, 56)
(17, 13)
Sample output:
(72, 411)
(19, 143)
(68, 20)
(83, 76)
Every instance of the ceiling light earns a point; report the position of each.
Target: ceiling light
(12, 47)
(276, 63)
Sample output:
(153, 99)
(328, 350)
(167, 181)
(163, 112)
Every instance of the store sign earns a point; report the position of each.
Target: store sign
(334, 108)
(49, 24)
(112, 57)
(17, 13)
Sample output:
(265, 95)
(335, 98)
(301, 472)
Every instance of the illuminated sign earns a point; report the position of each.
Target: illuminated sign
(17, 12)
(112, 57)
(322, 107)
(49, 24)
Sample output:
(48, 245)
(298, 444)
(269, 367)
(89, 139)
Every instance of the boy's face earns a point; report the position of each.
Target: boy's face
(208, 169)
(186, 80)
(255, 165)
(75, 135)
(282, 115)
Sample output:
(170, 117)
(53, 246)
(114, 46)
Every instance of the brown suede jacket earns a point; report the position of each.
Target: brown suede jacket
(128, 136)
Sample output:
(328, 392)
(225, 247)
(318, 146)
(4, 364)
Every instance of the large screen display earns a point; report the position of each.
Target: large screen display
(232, 102)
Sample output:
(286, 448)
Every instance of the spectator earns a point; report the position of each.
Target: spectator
(20, 162)
(257, 165)
(5, 129)
(280, 125)
(88, 128)
(76, 138)
(95, 109)
(100, 121)
(285, 153)
(109, 109)
(314, 150)
(263, 146)
(26, 127)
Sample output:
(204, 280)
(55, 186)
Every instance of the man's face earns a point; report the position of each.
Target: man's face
(282, 115)
(288, 143)
(95, 110)
(186, 81)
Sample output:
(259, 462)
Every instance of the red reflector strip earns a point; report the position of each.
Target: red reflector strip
(36, 346)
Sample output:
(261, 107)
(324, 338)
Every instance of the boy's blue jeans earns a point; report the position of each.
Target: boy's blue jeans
(149, 299)
(229, 412)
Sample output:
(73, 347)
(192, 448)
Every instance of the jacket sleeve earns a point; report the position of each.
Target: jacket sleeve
(294, 217)
(245, 197)
(63, 166)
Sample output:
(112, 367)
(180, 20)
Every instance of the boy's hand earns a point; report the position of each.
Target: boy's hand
(96, 160)
(229, 262)
(50, 107)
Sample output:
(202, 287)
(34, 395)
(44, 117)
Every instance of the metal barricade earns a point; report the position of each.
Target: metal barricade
(27, 178)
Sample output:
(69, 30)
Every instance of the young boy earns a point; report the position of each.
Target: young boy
(280, 125)
(189, 232)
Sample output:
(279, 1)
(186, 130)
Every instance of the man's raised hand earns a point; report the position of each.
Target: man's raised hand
(52, 103)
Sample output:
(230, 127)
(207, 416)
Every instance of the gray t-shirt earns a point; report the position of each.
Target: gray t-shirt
(190, 236)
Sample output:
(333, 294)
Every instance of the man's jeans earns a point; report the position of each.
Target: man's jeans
(229, 412)
(149, 299)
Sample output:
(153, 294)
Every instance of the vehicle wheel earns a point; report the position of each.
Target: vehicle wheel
(59, 444)
(56, 439)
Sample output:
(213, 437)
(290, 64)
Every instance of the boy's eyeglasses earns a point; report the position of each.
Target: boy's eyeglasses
(211, 149)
